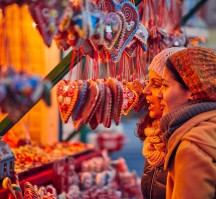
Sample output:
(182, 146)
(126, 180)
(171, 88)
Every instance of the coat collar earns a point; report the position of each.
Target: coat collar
(176, 137)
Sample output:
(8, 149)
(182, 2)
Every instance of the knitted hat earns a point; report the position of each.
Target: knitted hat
(159, 61)
(197, 68)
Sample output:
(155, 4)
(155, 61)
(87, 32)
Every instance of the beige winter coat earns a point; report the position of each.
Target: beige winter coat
(191, 159)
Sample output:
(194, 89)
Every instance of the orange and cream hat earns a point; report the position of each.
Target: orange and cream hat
(197, 67)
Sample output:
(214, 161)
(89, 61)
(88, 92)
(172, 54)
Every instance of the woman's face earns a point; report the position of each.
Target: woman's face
(151, 91)
(172, 94)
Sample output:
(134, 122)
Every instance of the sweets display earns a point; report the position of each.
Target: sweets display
(97, 177)
(32, 155)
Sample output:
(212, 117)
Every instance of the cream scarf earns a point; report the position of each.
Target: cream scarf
(154, 146)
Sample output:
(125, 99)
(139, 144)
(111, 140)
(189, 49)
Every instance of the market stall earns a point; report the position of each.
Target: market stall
(112, 44)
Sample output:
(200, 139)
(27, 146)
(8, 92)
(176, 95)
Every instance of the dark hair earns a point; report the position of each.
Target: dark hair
(143, 122)
(175, 73)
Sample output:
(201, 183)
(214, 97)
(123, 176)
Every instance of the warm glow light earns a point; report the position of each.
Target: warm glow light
(34, 24)
(1, 14)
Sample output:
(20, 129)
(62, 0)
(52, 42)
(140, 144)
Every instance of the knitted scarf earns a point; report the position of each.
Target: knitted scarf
(173, 120)
(154, 146)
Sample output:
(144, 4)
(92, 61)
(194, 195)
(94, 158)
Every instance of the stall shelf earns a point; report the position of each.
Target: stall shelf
(44, 174)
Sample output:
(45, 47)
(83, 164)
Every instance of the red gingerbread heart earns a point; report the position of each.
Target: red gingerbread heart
(67, 93)
(47, 16)
(117, 95)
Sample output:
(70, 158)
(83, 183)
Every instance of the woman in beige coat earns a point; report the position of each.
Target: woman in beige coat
(188, 98)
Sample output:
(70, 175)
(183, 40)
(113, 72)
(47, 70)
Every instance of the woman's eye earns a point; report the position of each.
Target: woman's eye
(157, 85)
(164, 85)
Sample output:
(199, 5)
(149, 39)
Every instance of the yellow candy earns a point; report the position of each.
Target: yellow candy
(6, 183)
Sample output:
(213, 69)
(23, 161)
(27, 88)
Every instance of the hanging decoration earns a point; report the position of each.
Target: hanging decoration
(18, 89)
(101, 31)
(47, 16)
(162, 18)
(117, 40)
(94, 102)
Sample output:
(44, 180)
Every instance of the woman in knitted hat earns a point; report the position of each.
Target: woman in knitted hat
(188, 98)
(154, 148)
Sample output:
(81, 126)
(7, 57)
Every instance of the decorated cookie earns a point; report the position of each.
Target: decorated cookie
(47, 16)
(67, 94)
(117, 94)
(130, 100)
(108, 106)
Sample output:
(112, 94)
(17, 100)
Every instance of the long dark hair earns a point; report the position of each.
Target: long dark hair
(143, 122)
(176, 75)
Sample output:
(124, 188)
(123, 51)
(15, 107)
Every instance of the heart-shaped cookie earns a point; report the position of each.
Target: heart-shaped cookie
(130, 26)
(99, 100)
(83, 89)
(47, 16)
(67, 93)
(88, 104)
(112, 28)
(130, 100)
(91, 100)
(99, 112)
(117, 94)
(107, 114)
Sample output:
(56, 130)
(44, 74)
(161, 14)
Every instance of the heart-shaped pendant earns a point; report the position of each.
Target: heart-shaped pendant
(67, 93)
(107, 114)
(117, 94)
(47, 16)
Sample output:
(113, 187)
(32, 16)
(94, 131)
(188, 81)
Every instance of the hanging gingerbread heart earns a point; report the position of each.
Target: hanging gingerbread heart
(47, 16)
(138, 86)
(77, 121)
(139, 39)
(99, 112)
(67, 93)
(117, 94)
(142, 35)
(83, 89)
(91, 100)
(112, 29)
(88, 105)
(130, 13)
(107, 114)
(130, 100)
(98, 100)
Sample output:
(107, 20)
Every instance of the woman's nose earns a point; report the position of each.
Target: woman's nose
(159, 93)
(146, 90)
